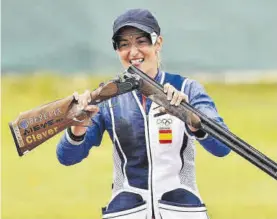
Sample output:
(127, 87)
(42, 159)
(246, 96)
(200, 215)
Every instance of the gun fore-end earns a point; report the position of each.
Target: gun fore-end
(156, 94)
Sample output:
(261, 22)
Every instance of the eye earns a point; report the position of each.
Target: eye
(143, 41)
(122, 45)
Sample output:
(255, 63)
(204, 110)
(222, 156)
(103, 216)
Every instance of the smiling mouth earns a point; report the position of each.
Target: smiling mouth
(136, 61)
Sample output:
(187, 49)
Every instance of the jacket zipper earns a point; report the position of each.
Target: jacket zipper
(150, 154)
(144, 104)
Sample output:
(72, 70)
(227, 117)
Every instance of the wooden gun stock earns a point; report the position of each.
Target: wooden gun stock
(33, 127)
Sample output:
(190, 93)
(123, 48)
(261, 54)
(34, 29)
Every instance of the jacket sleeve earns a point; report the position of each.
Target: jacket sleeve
(70, 152)
(199, 99)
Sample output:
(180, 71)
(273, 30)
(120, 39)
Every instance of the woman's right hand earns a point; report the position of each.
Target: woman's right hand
(83, 101)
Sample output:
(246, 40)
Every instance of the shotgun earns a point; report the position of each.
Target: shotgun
(32, 128)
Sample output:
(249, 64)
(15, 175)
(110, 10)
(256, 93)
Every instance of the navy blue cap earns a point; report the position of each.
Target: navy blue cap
(138, 18)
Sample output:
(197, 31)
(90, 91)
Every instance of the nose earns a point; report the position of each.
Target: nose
(133, 50)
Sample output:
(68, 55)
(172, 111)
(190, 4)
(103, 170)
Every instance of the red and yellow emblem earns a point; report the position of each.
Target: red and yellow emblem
(165, 136)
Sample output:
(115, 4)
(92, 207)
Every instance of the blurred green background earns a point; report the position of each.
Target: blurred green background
(52, 48)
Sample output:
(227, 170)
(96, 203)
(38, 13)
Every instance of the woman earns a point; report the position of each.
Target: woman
(154, 173)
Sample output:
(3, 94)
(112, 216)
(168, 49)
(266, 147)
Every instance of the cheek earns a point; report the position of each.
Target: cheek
(123, 56)
(151, 55)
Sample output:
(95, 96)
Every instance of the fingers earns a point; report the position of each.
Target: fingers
(85, 98)
(175, 96)
(169, 89)
(166, 86)
(83, 101)
(181, 97)
(92, 108)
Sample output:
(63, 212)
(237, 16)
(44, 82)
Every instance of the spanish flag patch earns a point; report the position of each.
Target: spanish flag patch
(165, 136)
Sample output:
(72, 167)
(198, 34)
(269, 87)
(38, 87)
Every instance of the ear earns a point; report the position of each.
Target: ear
(159, 44)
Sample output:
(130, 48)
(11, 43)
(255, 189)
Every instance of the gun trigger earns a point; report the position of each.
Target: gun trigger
(157, 107)
(159, 114)
(77, 120)
(84, 122)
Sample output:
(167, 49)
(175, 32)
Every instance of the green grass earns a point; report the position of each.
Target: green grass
(37, 186)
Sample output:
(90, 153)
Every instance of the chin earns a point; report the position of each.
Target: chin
(142, 68)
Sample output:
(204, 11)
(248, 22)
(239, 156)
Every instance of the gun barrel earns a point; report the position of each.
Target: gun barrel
(214, 129)
(249, 153)
(235, 143)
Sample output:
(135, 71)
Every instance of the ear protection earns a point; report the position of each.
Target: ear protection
(153, 37)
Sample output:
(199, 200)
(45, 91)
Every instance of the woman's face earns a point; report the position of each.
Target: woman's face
(134, 47)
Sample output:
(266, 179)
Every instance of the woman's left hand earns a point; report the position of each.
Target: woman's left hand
(175, 97)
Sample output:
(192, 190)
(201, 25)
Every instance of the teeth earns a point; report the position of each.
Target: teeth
(136, 61)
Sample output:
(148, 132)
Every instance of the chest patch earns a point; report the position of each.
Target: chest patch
(165, 130)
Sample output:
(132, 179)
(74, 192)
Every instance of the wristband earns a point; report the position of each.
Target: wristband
(199, 133)
(75, 137)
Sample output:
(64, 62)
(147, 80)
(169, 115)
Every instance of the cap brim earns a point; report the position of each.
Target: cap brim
(136, 25)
